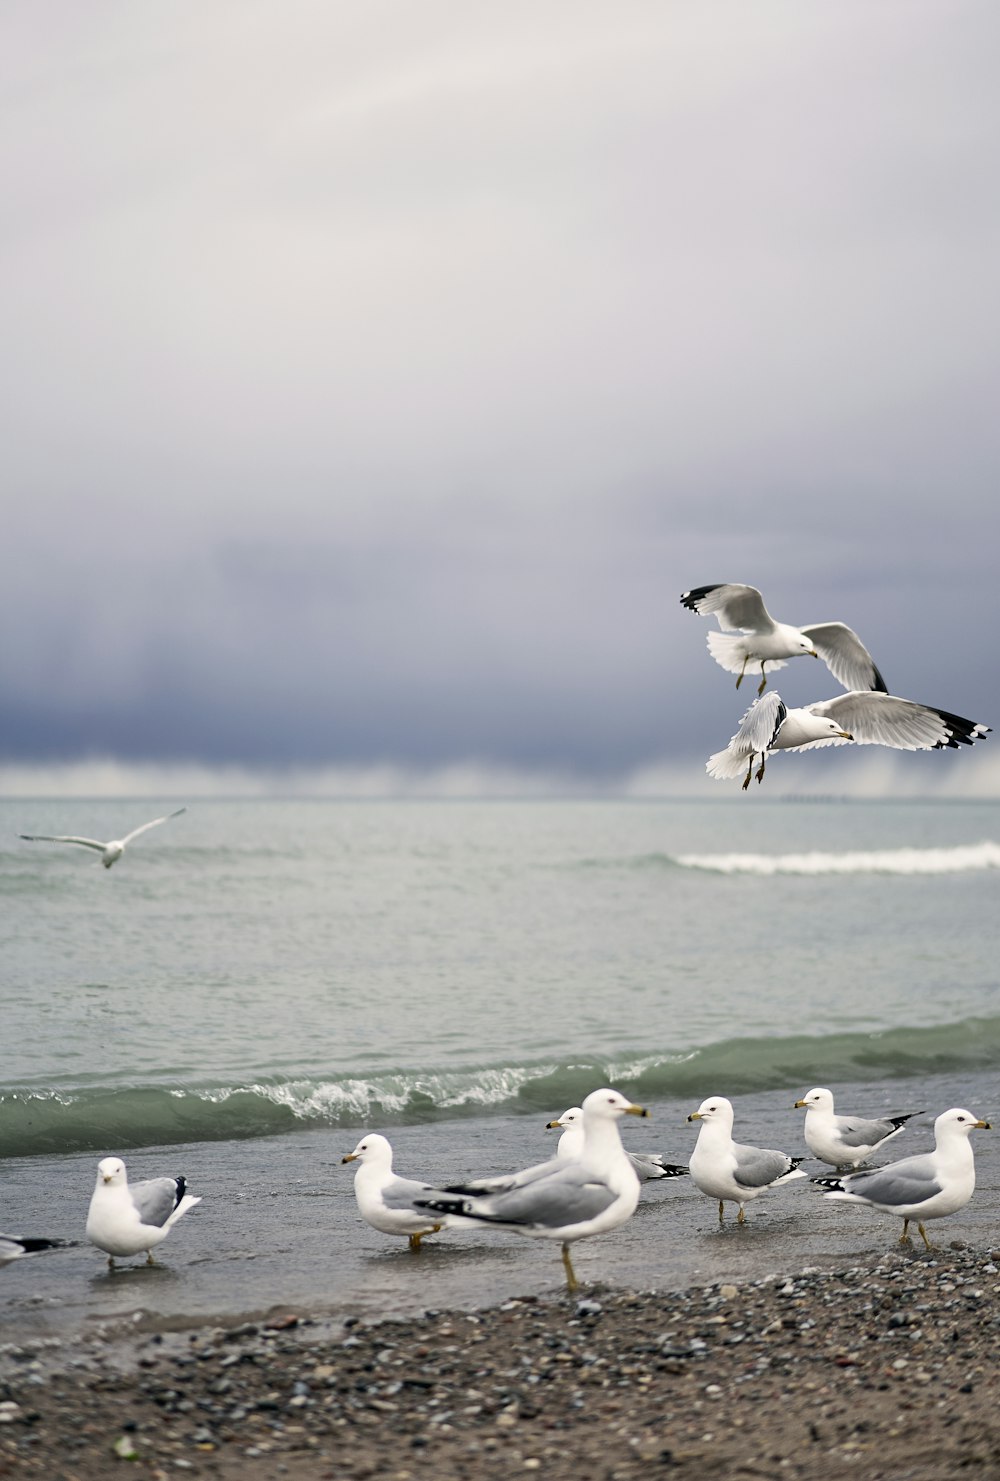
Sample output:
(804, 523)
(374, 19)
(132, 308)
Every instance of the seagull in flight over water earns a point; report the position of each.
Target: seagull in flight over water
(866, 717)
(110, 852)
(751, 638)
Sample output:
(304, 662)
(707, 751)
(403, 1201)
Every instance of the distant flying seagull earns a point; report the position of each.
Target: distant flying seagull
(751, 639)
(867, 717)
(110, 852)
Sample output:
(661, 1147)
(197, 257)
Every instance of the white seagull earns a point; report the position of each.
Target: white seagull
(751, 638)
(866, 717)
(845, 1141)
(124, 1220)
(385, 1200)
(928, 1186)
(565, 1199)
(110, 852)
(729, 1171)
(648, 1165)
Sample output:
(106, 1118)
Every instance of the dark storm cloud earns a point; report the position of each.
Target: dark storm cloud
(375, 384)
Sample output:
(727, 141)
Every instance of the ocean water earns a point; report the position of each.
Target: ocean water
(257, 983)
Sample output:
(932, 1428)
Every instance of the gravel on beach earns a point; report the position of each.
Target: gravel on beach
(886, 1369)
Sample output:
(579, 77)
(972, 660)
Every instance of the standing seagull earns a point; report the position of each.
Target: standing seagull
(727, 1170)
(564, 1199)
(647, 1165)
(923, 1187)
(384, 1199)
(110, 852)
(845, 1141)
(867, 717)
(125, 1221)
(751, 638)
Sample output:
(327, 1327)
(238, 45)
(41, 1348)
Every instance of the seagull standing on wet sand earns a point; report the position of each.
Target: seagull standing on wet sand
(729, 1171)
(845, 1141)
(384, 1199)
(110, 852)
(927, 1186)
(648, 1165)
(124, 1220)
(564, 1199)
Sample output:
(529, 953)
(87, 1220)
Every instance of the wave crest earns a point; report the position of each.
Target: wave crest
(961, 859)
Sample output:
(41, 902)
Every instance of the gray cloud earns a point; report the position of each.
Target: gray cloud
(375, 380)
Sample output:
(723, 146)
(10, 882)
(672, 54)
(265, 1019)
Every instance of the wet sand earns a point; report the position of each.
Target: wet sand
(880, 1369)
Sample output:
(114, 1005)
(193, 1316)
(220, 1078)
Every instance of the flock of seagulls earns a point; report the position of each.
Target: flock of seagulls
(592, 1185)
(867, 714)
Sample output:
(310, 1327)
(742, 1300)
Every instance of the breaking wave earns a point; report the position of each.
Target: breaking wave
(961, 859)
(116, 1117)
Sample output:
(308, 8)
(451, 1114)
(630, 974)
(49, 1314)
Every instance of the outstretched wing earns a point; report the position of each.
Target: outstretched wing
(166, 819)
(737, 607)
(875, 719)
(845, 656)
(63, 838)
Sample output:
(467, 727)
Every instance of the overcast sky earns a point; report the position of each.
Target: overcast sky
(376, 377)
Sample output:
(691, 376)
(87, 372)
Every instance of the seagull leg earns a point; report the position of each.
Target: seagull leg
(763, 680)
(741, 1216)
(111, 1262)
(149, 1258)
(722, 1207)
(739, 677)
(923, 1236)
(760, 769)
(904, 1238)
(746, 779)
(571, 1281)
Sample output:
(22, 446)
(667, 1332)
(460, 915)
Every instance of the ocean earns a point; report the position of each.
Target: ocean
(255, 984)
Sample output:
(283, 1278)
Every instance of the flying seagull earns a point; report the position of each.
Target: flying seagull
(751, 638)
(385, 1199)
(110, 852)
(867, 717)
(928, 1186)
(845, 1141)
(728, 1170)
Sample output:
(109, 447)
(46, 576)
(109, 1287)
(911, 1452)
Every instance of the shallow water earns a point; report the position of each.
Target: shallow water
(255, 984)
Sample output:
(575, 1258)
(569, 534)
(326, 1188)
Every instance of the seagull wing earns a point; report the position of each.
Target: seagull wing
(63, 838)
(737, 607)
(875, 719)
(845, 656)
(165, 819)
(156, 1199)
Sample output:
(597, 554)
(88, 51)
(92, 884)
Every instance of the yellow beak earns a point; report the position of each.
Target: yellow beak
(695, 1116)
(636, 1111)
(799, 1103)
(349, 1158)
(983, 1125)
(551, 1125)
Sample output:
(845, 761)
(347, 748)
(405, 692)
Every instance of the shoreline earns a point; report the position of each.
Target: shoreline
(886, 1367)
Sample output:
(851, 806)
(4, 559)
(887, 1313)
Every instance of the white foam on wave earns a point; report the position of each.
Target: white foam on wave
(356, 1098)
(959, 860)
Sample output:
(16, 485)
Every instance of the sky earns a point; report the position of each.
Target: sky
(376, 377)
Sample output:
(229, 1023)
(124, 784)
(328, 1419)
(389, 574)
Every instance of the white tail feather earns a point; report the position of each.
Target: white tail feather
(187, 1202)
(725, 765)
(729, 650)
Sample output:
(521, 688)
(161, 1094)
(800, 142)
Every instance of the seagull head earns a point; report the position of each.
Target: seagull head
(568, 1118)
(371, 1148)
(957, 1122)
(716, 1108)
(820, 1098)
(111, 1170)
(608, 1105)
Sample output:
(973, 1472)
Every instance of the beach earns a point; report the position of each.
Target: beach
(885, 1368)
